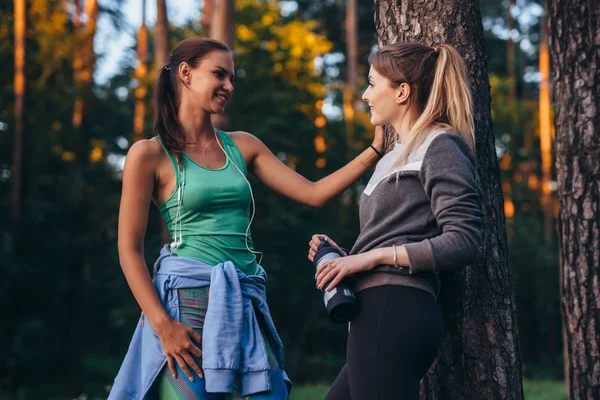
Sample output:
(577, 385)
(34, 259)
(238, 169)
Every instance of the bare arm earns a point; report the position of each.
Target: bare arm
(138, 185)
(284, 180)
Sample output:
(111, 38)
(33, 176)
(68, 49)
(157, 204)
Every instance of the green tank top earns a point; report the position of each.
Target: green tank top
(214, 211)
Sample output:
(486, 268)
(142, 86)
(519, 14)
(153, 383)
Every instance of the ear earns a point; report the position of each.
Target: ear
(185, 72)
(403, 93)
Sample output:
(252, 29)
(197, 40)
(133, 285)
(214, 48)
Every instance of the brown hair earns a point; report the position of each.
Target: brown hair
(166, 91)
(439, 88)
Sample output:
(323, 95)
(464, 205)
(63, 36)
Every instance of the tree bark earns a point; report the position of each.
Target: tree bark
(574, 42)
(85, 58)
(141, 72)
(206, 15)
(510, 50)
(161, 35)
(479, 358)
(17, 170)
(222, 28)
(351, 60)
(545, 132)
(79, 267)
(161, 58)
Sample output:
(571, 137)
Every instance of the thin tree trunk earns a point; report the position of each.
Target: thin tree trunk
(161, 35)
(479, 358)
(545, 132)
(85, 59)
(140, 75)
(351, 58)
(207, 7)
(222, 28)
(78, 264)
(510, 50)
(574, 42)
(161, 58)
(17, 170)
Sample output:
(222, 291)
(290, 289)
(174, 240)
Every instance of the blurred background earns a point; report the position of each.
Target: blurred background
(88, 69)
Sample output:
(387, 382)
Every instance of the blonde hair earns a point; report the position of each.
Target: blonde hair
(439, 89)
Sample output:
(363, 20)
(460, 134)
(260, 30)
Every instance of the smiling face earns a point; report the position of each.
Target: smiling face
(382, 98)
(209, 86)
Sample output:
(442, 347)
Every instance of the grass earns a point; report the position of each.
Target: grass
(544, 390)
(534, 390)
(537, 389)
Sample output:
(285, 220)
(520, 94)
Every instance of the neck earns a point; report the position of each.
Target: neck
(196, 124)
(404, 124)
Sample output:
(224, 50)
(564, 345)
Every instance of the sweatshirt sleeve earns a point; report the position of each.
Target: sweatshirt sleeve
(448, 176)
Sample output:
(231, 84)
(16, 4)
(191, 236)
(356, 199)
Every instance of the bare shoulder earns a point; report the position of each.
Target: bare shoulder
(243, 137)
(145, 149)
(148, 152)
(249, 145)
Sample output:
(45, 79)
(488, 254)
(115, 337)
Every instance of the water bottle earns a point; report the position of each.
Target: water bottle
(340, 302)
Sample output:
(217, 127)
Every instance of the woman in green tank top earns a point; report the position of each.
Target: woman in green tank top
(197, 176)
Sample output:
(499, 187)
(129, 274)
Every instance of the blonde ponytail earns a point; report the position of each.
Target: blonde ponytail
(439, 81)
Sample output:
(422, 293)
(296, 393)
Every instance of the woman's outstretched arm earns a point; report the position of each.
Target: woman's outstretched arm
(284, 180)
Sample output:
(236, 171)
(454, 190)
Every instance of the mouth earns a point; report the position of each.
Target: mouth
(222, 98)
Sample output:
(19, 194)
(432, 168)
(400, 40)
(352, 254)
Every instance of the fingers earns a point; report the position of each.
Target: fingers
(315, 241)
(192, 363)
(195, 351)
(311, 254)
(334, 282)
(184, 367)
(326, 275)
(171, 364)
(195, 336)
(323, 267)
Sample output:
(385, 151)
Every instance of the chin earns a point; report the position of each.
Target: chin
(377, 122)
(218, 110)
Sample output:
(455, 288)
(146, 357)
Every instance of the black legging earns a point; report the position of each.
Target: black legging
(391, 345)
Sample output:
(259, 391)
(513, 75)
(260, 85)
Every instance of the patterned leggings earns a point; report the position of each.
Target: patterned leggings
(193, 304)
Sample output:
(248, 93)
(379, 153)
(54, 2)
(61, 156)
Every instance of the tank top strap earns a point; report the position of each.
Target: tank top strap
(233, 151)
(173, 160)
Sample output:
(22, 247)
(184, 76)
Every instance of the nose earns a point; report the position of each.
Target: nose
(228, 86)
(364, 95)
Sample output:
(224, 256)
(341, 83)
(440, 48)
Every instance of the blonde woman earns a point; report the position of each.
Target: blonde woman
(419, 214)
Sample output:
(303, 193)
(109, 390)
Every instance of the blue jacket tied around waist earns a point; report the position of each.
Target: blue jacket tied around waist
(231, 339)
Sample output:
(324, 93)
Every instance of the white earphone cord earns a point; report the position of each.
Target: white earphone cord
(251, 197)
(178, 217)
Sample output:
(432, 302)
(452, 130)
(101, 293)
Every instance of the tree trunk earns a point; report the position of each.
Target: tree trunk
(510, 50)
(17, 170)
(161, 35)
(479, 358)
(222, 28)
(351, 59)
(79, 267)
(206, 15)
(85, 59)
(574, 42)
(545, 132)
(161, 58)
(141, 72)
